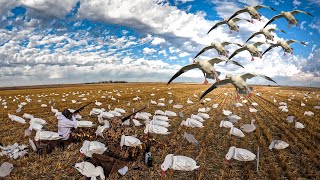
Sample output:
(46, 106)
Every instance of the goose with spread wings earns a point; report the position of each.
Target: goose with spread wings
(266, 32)
(206, 67)
(289, 16)
(218, 46)
(285, 46)
(252, 10)
(231, 23)
(252, 48)
(238, 81)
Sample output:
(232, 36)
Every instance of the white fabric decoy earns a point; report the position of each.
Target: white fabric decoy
(308, 113)
(89, 170)
(16, 118)
(161, 118)
(278, 144)
(254, 104)
(107, 115)
(177, 106)
(238, 104)
(252, 110)
(192, 123)
(158, 123)
(196, 117)
(170, 113)
(236, 132)
(155, 129)
(226, 112)
(290, 119)
(95, 111)
(84, 124)
(92, 147)
(226, 124)
(5, 169)
(35, 126)
(47, 135)
(190, 138)
(159, 112)
(249, 127)
(161, 104)
(38, 120)
(298, 125)
(181, 163)
(202, 110)
(27, 116)
(234, 118)
(100, 129)
(120, 110)
(129, 141)
(54, 110)
(204, 115)
(115, 113)
(239, 154)
(215, 106)
(146, 114)
(141, 116)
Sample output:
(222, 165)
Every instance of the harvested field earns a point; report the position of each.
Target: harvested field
(299, 160)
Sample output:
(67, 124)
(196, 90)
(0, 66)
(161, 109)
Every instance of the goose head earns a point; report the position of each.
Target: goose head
(167, 163)
(196, 61)
(230, 153)
(228, 76)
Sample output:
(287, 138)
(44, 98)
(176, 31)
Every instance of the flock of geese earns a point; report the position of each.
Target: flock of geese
(239, 81)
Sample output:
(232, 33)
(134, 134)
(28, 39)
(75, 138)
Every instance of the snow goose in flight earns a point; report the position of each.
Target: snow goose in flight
(252, 48)
(218, 46)
(252, 10)
(231, 24)
(289, 16)
(238, 81)
(285, 46)
(206, 67)
(266, 32)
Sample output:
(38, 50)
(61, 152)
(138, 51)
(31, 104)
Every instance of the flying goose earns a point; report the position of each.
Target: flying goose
(285, 46)
(206, 67)
(266, 32)
(218, 46)
(231, 24)
(252, 10)
(252, 48)
(289, 17)
(238, 81)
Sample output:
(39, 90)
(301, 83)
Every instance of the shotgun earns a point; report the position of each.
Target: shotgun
(80, 109)
(134, 113)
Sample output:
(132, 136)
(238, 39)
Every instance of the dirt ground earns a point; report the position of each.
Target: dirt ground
(299, 161)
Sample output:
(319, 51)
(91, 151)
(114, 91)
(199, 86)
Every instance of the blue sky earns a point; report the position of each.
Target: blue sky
(75, 41)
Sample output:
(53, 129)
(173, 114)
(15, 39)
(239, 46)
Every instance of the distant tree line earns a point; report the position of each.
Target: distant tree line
(105, 82)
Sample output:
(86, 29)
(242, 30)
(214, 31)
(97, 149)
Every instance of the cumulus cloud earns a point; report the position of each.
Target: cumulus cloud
(57, 8)
(157, 41)
(147, 50)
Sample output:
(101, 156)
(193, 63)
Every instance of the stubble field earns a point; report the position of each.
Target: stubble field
(299, 160)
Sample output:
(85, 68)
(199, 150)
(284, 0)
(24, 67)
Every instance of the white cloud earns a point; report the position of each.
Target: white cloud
(6, 5)
(147, 50)
(315, 26)
(184, 54)
(296, 3)
(57, 8)
(302, 25)
(157, 41)
(184, 1)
